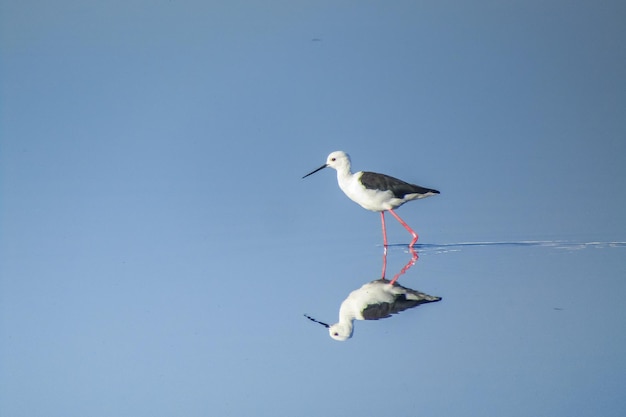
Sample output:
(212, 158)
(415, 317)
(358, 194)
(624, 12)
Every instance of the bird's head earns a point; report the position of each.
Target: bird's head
(341, 331)
(338, 160)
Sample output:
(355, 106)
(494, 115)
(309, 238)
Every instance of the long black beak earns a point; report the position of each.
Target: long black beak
(319, 169)
(311, 318)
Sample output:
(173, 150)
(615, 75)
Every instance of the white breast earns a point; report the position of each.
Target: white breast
(369, 199)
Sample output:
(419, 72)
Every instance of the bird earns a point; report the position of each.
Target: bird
(375, 192)
(373, 301)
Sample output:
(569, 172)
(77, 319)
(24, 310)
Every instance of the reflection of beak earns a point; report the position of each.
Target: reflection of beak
(313, 172)
(311, 318)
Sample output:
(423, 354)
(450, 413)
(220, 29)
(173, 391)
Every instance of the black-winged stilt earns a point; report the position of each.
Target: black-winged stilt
(375, 192)
(373, 301)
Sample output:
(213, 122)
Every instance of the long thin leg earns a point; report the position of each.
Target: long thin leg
(406, 226)
(409, 264)
(382, 219)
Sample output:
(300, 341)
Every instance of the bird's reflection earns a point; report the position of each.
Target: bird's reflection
(376, 300)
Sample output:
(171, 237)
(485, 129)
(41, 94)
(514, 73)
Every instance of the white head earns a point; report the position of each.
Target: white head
(338, 160)
(341, 331)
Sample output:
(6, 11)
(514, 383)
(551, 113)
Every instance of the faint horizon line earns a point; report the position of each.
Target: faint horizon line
(559, 244)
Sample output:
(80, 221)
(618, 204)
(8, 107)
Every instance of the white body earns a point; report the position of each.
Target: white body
(372, 293)
(370, 199)
(373, 200)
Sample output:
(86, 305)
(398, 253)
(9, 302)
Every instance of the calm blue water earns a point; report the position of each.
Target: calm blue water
(524, 328)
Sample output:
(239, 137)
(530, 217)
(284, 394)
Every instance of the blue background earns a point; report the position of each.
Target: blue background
(158, 246)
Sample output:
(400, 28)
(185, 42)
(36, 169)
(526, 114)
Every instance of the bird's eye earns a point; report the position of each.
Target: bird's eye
(335, 334)
(333, 159)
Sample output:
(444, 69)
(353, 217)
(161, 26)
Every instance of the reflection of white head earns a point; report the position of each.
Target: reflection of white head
(341, 331)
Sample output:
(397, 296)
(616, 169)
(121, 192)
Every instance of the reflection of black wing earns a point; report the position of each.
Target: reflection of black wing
(400, 303)
(377, 311)
(399, 188)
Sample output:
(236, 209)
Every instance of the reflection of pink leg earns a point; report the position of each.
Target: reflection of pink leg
(384, 261)
(382, 219)
(406, 226)
(409, 264)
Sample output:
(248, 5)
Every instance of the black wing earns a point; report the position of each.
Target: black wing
(400, 303)
(399, 188)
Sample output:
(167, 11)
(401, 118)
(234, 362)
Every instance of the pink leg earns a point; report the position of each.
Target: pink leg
(406, 226)
(382, 219)
(409, 264)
